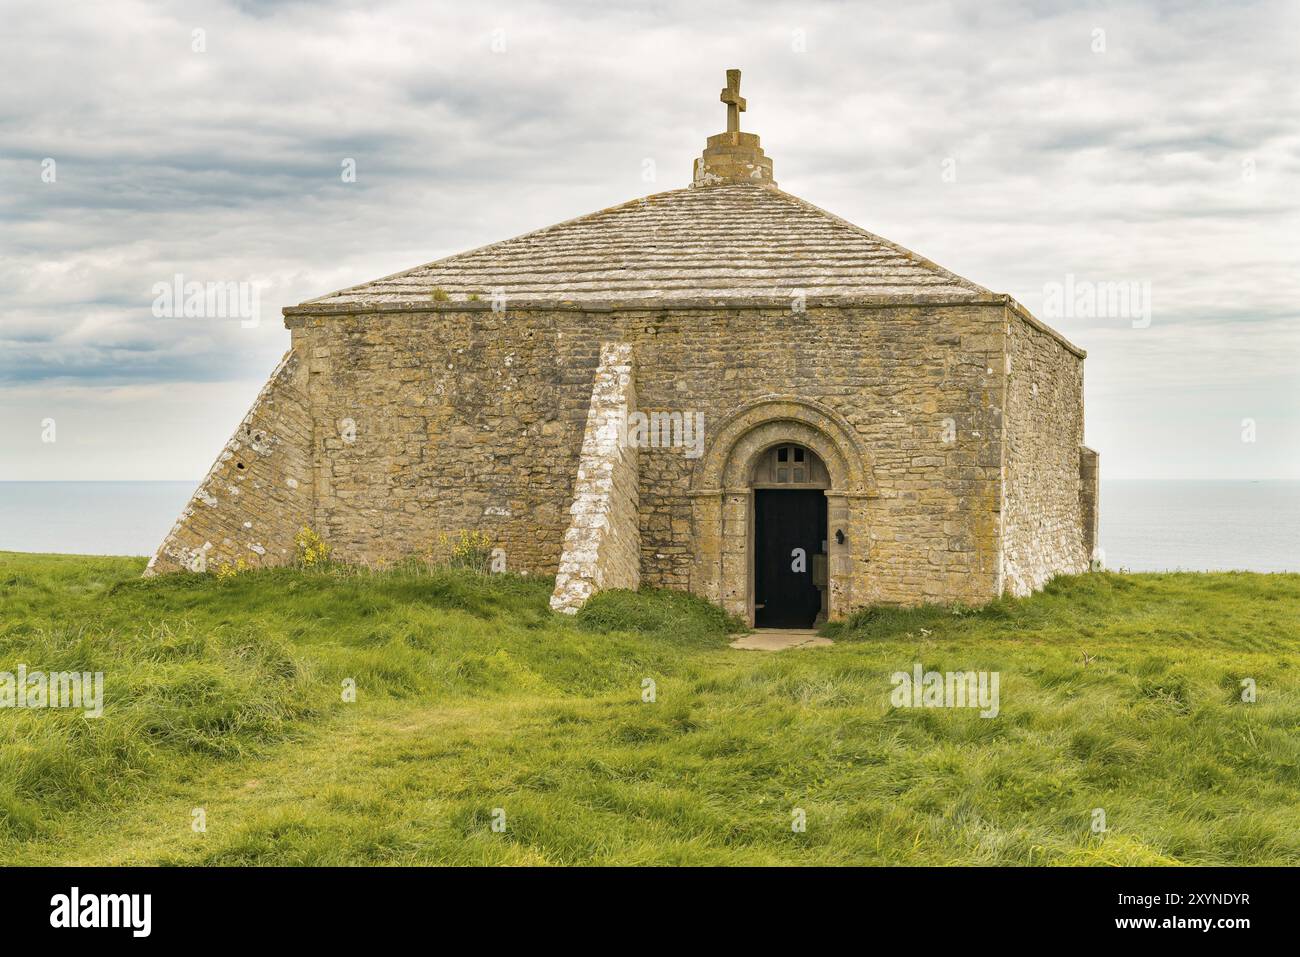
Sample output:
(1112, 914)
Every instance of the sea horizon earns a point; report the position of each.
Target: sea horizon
(1145, 524)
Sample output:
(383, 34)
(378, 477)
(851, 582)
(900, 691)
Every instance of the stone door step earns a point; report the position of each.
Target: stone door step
(779, 639)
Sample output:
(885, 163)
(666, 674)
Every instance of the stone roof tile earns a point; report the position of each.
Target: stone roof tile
(732, 242)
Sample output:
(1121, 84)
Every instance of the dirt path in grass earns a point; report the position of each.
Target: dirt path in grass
(157, 827)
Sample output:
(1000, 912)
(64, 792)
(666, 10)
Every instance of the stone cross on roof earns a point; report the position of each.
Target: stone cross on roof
(735, 102)
(733, 156)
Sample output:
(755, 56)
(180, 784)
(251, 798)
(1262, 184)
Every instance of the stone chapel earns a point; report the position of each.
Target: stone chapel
(720, 388)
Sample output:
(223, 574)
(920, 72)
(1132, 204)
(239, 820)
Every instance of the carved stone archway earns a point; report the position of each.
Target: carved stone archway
(722, 498)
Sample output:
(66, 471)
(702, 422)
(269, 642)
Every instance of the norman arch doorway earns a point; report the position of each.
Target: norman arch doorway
(789, 484)
(732, 471)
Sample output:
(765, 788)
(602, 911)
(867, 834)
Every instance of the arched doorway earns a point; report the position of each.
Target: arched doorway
(724, 489)
(790, 580)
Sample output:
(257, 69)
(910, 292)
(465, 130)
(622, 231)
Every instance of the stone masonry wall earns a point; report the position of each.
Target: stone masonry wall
(1089, 493)
(435, 422)
(920, 385)
(1042, 518)
(602, 545)
(258, 493)
(383, 430)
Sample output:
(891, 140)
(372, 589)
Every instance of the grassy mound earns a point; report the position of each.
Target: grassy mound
(673, 616)
(630, 733)
(196, 667)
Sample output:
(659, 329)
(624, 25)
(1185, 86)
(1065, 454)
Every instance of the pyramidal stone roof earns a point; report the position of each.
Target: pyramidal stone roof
(731, 238)
(720, 243)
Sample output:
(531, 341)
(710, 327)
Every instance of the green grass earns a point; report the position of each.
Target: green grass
(1119, 692)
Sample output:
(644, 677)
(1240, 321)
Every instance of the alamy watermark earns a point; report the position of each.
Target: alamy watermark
(1085, 299)
(55, 689)
(661, 430)
(952, 689)
(77, 909)
(179, 299)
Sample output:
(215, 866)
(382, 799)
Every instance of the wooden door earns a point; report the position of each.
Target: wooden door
(789, 528)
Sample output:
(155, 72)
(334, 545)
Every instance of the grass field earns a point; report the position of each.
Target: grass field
(1117, 692)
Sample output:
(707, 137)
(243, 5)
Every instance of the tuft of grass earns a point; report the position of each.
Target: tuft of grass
(172, 695)
(674, 616)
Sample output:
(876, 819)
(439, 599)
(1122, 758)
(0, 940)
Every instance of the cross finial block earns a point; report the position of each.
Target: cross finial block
(733, 157)
(735, 102)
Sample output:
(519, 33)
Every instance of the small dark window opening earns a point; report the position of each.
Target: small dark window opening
(798, 455)
(239, 465)
(782, 454)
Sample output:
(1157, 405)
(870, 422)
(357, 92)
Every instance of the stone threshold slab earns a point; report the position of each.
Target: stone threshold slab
(779, 639)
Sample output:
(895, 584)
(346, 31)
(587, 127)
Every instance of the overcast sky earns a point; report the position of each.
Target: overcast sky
(1015, 143)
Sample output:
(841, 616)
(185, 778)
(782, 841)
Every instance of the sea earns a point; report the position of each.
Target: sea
(1145, 525)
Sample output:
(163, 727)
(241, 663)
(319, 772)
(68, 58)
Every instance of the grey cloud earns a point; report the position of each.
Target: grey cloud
(224, 165)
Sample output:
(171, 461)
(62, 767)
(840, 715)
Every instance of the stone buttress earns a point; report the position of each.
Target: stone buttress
(602, 547)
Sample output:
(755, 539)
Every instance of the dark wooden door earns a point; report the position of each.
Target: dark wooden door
(785, 520)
